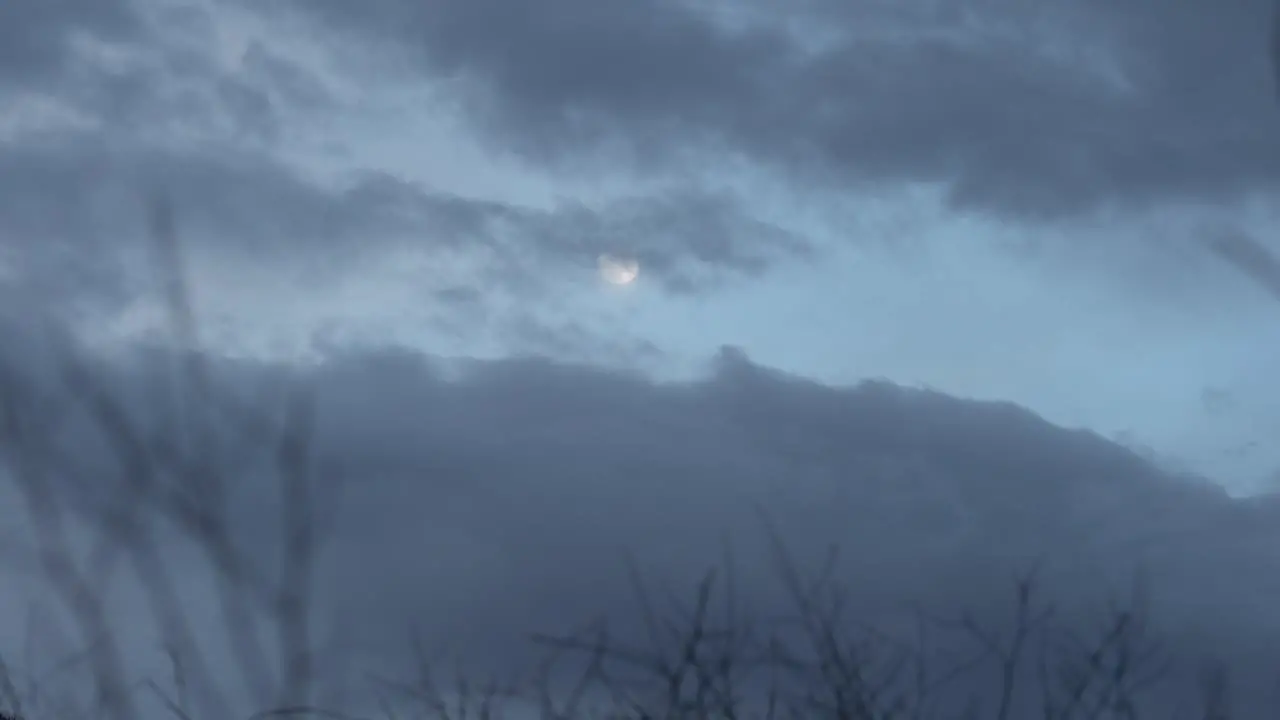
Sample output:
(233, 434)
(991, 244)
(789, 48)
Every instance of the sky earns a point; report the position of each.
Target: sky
(987, 200)
(1066, 207)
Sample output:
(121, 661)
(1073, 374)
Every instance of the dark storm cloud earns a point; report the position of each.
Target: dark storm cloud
(997, 98)
(485, 500)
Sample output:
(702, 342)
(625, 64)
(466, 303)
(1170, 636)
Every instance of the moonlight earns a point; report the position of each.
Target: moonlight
(617, 270)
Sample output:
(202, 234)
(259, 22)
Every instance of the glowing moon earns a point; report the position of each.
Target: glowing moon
(618, 271)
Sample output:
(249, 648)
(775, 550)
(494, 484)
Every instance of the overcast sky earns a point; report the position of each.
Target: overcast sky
(994, 199)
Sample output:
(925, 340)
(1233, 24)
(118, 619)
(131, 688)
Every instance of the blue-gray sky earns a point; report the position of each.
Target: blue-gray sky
(1002, 201)
(987, 200)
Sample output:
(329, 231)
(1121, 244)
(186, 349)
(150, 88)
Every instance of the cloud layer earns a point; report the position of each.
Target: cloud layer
(1050, 110)
(482, 501)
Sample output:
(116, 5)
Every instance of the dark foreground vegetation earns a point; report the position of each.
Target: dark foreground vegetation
(703, 653)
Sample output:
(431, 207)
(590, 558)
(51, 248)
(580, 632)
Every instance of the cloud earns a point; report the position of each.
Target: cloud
(1037, 111)
(140, 69)
(132, 98)
(38, 37)
(1250, 257)
(77, 205)
(149, 96)
(485, 500)
(72, 206)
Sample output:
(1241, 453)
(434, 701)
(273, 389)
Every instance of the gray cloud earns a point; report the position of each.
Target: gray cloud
(137, 70)
(536, 476)
(72, 205)
(178, 82)
(484, 500)
(36, 36)
(679, 236)
(295, 84)
(1250, 257)
(76, 205)
(1012, 104)
(526, 334)
(1040, 112)
(173, 116)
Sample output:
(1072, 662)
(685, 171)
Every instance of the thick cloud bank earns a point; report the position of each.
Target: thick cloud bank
(485, 500)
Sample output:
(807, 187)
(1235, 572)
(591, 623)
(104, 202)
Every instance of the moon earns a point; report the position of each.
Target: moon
(617, 270)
